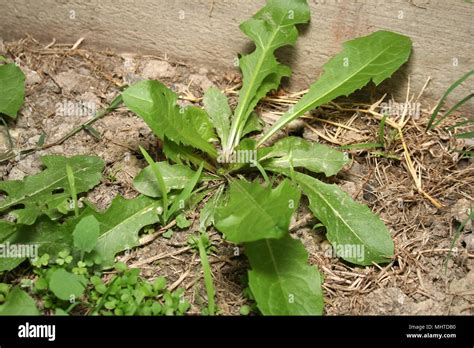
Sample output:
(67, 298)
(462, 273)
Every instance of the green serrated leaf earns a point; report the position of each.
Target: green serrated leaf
(119, 226)
(18, 302)
(216, 104)
(255, 212)
(175, 177)
(86, 233)
(45, 236)
(270, 28)
(357, 235)
(65, 285)
(12, 89)
(374, 57)
(156, 104)
(281, 280)
(294, 152)
(184, 155)
(46, 191)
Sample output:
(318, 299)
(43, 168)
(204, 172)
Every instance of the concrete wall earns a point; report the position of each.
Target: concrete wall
(205, 32)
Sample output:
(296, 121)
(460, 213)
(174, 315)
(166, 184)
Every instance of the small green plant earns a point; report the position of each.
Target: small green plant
(218, 140)
(62, 286)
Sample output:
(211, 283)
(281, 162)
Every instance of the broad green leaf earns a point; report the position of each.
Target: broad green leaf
(175, 177)
(86, 233)
(281, 280)
(294, 152)
(156, 104)
(45, 192)
(216, 104)
(65, 285)
(255, 212)
(44, 237)
(374, 57)
(12, 89)
(119, 226)
(18, 302)
(356, 234)
(270, 28)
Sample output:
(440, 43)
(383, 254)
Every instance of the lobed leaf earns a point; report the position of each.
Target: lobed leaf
(49, 237)
(184, 155)
(119, 226)
(270, 28)
(47, 191)
(156, 105)
(118, 231)
(370, 58)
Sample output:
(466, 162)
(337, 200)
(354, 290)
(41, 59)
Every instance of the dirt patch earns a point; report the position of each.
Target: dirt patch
(415, 282)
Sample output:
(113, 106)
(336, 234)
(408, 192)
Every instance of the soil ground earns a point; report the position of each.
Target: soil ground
(415, 282)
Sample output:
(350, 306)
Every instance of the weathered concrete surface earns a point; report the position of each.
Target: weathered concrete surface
(206, 32)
